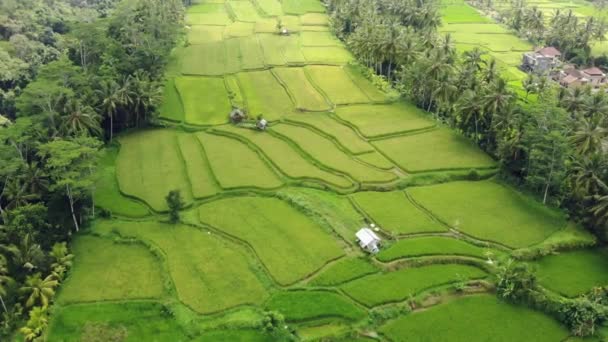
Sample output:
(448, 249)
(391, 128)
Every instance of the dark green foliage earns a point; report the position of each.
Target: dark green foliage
(515, 280)
(175, 203)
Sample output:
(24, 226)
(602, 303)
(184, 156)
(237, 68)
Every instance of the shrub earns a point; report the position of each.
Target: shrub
(175, 203)
(515, 280)
(582, 315)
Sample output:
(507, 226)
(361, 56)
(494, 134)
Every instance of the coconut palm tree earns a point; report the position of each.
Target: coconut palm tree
(27, 254)
(498, 98)
(109, 93)
(600, 210)
(596, 105)
(589, 137)
(574, 100)
(39, 291)
(80, 119)
(4, 281)
(587, 174)
(36, 324)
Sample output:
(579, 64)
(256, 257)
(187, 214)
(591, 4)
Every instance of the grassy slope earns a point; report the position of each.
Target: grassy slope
(436, 150)
(248, 170)
(127, 271)
(107, 193)
(324, 150)
(490, 211)
(397, 286)
(393, 212)
(343, 271)
(479, 318)
(307, 305)
(287, 159)
(144, 321)
(430, 245)
(209, 273)
(289, 251)
(574, 273)
(378, 120)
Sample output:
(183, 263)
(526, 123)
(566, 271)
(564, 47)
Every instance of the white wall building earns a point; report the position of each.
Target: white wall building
(368, 240)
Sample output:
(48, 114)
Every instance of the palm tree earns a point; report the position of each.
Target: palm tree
(4, 280)
(39, 290)
(144, 94)
(17, 194)
(574, 100)
(36, 324)
(600, 210)
(80, 119)
(26, 254)
(596, 105)
(589, 137)
(109, 93)
(62, 259)
(588, 173)
(498, 97)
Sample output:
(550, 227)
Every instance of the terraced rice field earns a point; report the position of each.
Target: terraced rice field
(270, 216)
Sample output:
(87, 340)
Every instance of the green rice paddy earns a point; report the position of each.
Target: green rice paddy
(270, 216)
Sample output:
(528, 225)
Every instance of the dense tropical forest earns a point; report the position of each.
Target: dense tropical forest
(97, 96)
(72, 74)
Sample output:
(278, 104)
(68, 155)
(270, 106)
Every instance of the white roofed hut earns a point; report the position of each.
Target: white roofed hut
(368, 240)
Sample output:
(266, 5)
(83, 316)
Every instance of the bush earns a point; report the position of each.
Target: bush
(582, 315)
(175, 203)
(515, 280)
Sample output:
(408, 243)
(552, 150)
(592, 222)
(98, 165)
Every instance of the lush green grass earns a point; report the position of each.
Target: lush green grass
(320, 19)
(286, 158)
(149, 166)
(239, 29)
(430, 245)
(270, 7)
(376, 159)
(273, 46)
(393, 212)
(291, 50)
(234, 91)
(235, 165)
(204, 59)
(474, 28)
(290, 244)
(291, 22)
(199, 172)
(305, 95)
(233, 56)
(201, 34)
(397, 286)
(143, 321)
(105, 270)
(302, 6)
(308, 305)
(107, 193)
(327, 55)
(460, 12)
(171, 107)
(312, 38)
(574, 273)
(327, 153)
(210, 274)
(243, 10)
(372, 92)
(207, 14)
(335, 82)
(205, 99)
(440, 149)
(234, 336)
(345, 135)
(344, 270)
(266, 25)
(475, 318)
(252, 56)
(264, 95)
(335, 211)
(379, 120)
(490, 211)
